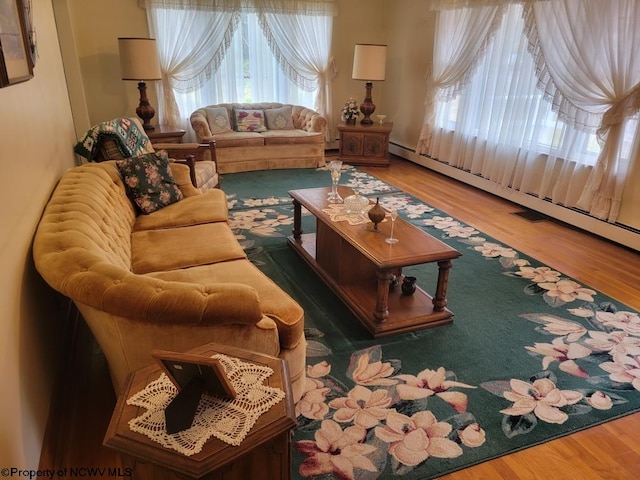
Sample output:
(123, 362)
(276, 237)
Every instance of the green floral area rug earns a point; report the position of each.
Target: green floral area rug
(531, 355)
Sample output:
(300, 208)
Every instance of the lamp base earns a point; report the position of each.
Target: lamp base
(145, 111)
(367, 107)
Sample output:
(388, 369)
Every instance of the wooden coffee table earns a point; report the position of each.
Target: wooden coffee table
(265, 452)
(358, 265)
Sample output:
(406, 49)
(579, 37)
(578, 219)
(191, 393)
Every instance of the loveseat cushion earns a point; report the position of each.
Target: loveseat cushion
(210, 206)
(275, 303)
(291, 137)
(238, 139)
(183, 247)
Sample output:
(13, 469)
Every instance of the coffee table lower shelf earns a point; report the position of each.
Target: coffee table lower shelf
(407, 313)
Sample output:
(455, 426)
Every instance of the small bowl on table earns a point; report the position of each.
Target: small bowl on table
(355, 204)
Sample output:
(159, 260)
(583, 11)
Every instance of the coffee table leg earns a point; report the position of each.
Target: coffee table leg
(382, 299)
(440, 298)
(297, 219)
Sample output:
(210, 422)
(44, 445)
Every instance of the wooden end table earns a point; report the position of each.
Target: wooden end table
(365, 144)
(265, 453)
(165, 134)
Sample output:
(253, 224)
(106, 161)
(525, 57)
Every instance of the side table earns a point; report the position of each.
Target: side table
(365, 144)
(165, 134)
(265, 453)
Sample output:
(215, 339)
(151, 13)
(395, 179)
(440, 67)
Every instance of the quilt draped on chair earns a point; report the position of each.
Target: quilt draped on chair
(130, 140)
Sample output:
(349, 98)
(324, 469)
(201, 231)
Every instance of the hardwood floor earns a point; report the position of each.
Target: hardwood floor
(81, 411)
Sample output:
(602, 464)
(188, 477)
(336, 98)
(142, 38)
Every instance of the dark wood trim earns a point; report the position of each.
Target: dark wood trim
(57, 429)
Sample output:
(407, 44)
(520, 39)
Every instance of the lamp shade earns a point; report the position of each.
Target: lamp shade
(139, 59)
(369, 62)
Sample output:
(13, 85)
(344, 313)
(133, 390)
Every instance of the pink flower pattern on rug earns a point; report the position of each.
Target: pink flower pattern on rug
(363, 430)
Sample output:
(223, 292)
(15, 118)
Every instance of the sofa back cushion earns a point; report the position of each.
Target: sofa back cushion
(85, 227)
(279, 118)
(308, 120)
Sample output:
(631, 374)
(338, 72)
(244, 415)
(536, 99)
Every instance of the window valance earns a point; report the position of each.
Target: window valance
(437, 5)
(301, 7)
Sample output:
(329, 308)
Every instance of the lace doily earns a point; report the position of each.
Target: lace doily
(229, 420)
(338, 213)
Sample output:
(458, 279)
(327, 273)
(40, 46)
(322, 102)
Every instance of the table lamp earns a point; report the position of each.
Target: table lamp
(139, 61)
(369, 64)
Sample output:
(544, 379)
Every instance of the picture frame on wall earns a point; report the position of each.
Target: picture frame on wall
(16, 64)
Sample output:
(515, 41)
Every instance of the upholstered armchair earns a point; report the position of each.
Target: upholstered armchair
(125, 137)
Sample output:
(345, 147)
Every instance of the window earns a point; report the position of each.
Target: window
(492, 120)
(249, 72)
(503, 105)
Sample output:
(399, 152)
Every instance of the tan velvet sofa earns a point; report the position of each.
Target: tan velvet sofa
(297, 144)
(172, 280)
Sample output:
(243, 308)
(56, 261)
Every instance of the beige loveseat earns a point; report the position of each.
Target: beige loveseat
(173, 279)
(290, 136)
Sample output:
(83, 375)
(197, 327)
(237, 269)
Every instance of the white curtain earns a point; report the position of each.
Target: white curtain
(501, 127)
(592, 76)
(191, 45)
(248, 73)
(264, 78)
(463, 35)
(302, 46)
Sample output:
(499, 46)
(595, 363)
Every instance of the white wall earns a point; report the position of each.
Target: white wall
(36, 146)
(97, 24)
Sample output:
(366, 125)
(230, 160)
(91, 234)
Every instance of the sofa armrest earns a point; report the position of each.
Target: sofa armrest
(183, 303)
(308, 120)
(200, 124)
(117, 291)
(183, 172)
(189, 153)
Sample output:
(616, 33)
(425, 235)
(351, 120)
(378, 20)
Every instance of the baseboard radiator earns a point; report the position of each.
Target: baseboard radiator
(617, 233)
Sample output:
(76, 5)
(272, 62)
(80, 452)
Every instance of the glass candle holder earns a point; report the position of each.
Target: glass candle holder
(335, 167)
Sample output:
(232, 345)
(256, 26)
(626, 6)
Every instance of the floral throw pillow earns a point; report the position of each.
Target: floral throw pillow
(249, 120)
(279, 118)
(218, 120)
(149, 182)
